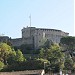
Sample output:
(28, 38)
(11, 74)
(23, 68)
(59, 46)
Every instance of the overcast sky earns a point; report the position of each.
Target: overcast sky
(54, 14)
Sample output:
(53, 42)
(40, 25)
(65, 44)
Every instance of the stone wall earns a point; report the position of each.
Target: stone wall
(36, 37)
(21, 41)
(42, 33)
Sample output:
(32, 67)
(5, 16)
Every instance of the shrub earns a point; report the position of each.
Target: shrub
(1, 65)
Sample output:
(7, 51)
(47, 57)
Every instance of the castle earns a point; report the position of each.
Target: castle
(36, 37)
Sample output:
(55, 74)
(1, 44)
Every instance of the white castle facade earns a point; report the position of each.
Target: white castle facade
(37, 36)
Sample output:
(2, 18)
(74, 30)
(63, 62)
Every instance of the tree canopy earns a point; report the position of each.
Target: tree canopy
(68, 44)
(19, 56)
(54, 55)
(5, 50)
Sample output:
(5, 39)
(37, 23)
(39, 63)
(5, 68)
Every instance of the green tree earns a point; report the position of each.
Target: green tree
(27, 65)
(12, 57)
(1, 65)
(68, 44)
(41, 54)
(54, 55)
(68, 63)
(68, 47)
(19, 56)
(5, 50)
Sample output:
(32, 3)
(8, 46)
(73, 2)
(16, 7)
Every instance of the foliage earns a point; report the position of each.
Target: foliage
(5, 50)
(43, 60)
(54, 55)
(12, 57)
(68, 47)
(1, 65)
(16, 56)
(26, 65)
(42, 52)
(19, 56)
(26, 48)
(68, 64)
(9, 56)
(68, 44)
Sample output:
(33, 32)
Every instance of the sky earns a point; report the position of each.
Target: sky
(54, 14)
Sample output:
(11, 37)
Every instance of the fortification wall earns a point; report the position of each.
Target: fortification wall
(21, 41)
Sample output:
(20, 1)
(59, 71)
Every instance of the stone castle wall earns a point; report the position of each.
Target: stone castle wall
(42, 34)
(21, 41)
(36, 36)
